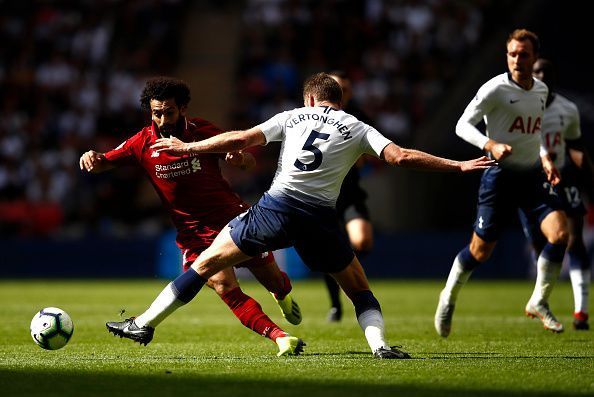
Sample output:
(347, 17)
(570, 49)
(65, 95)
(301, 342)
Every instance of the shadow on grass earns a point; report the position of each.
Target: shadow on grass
(493, 356)
(167, 383)
(457, 356)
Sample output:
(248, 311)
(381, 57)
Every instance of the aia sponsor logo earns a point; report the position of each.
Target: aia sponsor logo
(553, 139)
(525, 126)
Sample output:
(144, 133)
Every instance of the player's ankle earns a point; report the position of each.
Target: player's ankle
(581, 315)
(277, 333)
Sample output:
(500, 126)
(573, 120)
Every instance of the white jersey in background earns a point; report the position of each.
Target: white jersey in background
(561, 121)
(513, 116)
(319, 146)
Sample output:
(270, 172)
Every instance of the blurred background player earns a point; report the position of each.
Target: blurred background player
(199, 200)
(512, 105)
(299, 208)
(562, 137)
(351, 206)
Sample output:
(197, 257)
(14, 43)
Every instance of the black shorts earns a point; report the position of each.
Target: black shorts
(275, 223)
(569, 191)
(503, 192)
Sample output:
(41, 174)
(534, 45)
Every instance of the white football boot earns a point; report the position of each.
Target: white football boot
(542, 311)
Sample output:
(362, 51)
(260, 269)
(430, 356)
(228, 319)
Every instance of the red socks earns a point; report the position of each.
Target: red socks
(287, 287)
(250, 313)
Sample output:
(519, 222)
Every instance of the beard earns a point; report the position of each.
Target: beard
(173, 129)
(168, 129)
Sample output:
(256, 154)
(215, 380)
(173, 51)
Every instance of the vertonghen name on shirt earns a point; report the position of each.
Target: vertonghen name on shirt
(343, 129)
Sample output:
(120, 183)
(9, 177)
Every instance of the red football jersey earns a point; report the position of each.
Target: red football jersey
(199, 199)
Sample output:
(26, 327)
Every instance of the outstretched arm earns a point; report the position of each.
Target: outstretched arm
(410, 158)
(232, 141)
(94, 162)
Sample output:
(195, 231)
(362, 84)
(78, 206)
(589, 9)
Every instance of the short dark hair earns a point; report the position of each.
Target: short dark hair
(525, 34)
(323, 88)
(162, 88)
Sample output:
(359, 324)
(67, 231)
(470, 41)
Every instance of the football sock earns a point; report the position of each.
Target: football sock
(333, 290)
(369, 316)
(176, 294)
(462, 268)
(250, 313)
(580, 283)
(286, 289)
(579, 274)
(548, 268)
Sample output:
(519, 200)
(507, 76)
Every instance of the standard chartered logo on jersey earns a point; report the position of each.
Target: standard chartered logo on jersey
(185, 166)
(196, 164)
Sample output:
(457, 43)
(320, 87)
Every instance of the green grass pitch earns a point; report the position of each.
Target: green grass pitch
(203, 350)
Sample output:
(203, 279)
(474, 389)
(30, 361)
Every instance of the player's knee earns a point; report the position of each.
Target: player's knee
(481, 252)
(480, 249)
(362, 244)
(221, 287)
(210, 284)
(559, 237)
(360, 235)
(482, 256)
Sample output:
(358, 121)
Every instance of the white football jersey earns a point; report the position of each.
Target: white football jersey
(561, 121)
(319, 146)
(512, 115)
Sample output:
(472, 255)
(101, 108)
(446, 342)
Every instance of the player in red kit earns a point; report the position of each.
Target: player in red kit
(200, 203)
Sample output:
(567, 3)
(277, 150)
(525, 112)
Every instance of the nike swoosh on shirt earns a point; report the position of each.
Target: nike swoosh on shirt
(513, 100)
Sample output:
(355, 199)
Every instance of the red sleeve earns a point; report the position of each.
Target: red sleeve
(127, 151)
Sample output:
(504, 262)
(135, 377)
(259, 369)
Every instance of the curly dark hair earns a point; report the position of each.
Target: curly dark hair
(162, 88)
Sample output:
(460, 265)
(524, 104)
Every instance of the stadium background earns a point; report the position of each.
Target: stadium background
(71, 74)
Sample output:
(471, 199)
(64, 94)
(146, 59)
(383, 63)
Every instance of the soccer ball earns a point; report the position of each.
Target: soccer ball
(51, 328)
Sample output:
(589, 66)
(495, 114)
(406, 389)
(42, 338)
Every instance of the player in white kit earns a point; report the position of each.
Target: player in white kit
(562, 138)
(512, 105)
(320, 143)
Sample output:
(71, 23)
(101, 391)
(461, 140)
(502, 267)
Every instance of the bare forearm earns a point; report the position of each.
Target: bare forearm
(546, 161)
(228, 142)
(232, 141)
(411, 158)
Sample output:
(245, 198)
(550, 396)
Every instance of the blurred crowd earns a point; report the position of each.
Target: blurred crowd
(401, 56)
(71, 73)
